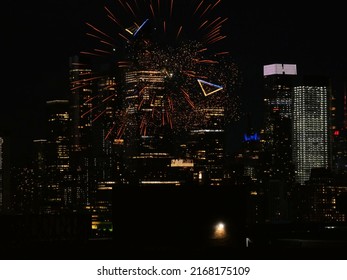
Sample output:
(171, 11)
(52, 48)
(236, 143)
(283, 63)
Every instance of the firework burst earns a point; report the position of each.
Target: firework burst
(165, 67)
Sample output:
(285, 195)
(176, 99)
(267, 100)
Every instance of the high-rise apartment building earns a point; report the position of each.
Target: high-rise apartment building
(311, 129)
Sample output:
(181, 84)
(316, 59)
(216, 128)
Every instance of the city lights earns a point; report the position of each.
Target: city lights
(180, 91)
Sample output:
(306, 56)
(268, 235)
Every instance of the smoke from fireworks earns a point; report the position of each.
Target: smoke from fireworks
(167, 69)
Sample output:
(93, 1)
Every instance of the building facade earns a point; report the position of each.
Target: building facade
(276, 157)
(311, 128)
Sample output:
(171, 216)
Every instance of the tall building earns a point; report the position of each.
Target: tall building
(81, 91)
(276, 138)
(279, 80)
(58, 156)
(105, 156)
(311, 128)
(206, 146)
(82, 87)
(250, 158)
(96, 155)
(148, 145)
(155, 141)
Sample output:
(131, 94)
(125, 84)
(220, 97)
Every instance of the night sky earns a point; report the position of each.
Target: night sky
(39, 37)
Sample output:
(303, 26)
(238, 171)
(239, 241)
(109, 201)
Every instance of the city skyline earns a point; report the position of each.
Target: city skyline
(173, 125)
(255, 37)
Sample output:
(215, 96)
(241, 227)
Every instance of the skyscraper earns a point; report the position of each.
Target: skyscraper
(276, 157)
(147, 143)
(58, 156)
(96, 166)
(206, 147)
(82, 86)
(106, 166)
(81, 91)
(311, 139)
(279, 80)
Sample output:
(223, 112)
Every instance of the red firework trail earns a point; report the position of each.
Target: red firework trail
(176, 73)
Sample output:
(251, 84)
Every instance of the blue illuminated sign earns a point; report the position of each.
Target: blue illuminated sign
(251, 137)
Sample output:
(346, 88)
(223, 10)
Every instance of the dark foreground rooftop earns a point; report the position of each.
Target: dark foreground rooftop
(330, 244)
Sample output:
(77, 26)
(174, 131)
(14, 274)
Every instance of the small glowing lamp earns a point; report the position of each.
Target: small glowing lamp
(219, 231)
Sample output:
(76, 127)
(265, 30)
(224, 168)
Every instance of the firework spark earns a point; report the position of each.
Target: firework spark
(169, 73)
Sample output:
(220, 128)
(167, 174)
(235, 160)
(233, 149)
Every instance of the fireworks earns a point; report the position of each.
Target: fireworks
(166, 72)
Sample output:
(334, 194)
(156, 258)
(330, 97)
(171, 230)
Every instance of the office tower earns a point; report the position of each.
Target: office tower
(172, 116)
(82, 87)
(311, 140)
(278, 80)
(81, 91)
(96, 154)
(250, 157)
(153, 149)
(58, 156)
(206, 146)
(278, 86)
(106, 169)
(147, 143)
(251, 150)
(276, 158)
(58, 134)
(5, 192)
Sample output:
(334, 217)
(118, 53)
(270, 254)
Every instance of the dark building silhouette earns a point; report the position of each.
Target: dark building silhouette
(82, 87)
(323, 190)
(56, 192)
(277, 163)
